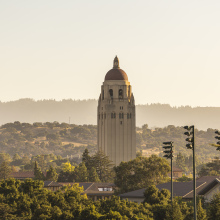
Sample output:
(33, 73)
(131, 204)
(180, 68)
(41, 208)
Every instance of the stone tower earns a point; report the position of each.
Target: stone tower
(116, 116)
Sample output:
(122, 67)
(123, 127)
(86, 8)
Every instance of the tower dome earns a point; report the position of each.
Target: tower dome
(116, 73)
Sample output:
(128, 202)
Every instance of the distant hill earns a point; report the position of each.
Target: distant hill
(84, 112)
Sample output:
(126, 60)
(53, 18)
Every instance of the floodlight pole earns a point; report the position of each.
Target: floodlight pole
(171, 164)
(194, 174)
(191, 145)
(169, 155)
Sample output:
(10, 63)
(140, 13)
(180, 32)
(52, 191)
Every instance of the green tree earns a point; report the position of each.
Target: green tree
(201, 213)
(67, 173)
(5, 157)
(16, 157)
(103, 166)
(51, 174)
(184, 178)
(153, 196)
(86, 159)
(81, 174)
(67, 167)
(180, 161)
(37, 172)
(93, 176)
(174, 212)
(5, 170)
(213, 210)
(211, 168)
(141, 173)
(6, 212)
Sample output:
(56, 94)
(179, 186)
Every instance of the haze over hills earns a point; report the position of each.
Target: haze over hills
(85, 111)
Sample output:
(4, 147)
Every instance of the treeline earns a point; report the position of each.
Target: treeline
(85, 112)
(148, 139)
(70, 140)
(29, 200)
(66, 140)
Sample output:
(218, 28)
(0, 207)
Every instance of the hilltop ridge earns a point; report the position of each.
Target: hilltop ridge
(84, 112)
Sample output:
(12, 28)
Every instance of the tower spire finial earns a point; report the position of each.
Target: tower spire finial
(116, 63)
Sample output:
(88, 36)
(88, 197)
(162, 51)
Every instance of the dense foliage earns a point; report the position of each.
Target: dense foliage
(148, 139)
(140, 173)
(28, 200)
(211, 168)
(69, 140)
(66, 140)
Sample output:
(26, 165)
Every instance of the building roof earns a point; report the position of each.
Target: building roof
(91, 188)
(51, 184)
(209, 186)
(207, 179)
(180, 188)
(134, 194)
(116, 73)
(85, 185)
(176, 169)
(22, 175)
(183, 189)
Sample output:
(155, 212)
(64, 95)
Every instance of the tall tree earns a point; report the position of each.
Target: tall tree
(5, 170)
(86, 158)
(103, 166)
(81, 174)
(93, 176)
(37, 172)
(51, 174)
(201, 213)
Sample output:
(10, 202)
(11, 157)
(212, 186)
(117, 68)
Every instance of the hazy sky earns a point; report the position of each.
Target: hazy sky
(52, 49)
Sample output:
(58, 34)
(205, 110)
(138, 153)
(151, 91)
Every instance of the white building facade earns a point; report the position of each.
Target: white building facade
(116, 116)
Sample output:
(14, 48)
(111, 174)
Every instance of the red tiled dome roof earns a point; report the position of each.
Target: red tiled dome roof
(116, 74)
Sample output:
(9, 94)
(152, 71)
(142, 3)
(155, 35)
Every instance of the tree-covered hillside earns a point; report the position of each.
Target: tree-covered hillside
(47, 138)
(71, 140)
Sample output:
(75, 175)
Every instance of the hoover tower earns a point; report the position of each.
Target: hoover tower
(116, 116)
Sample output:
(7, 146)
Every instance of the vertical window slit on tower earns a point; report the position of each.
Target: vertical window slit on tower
(120, 94)
(111, 93)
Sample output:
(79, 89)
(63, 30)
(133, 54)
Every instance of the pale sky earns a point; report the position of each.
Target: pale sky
(53, 49)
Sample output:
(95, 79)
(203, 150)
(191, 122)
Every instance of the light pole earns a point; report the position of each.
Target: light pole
(191, 145)
(218, 138)
(169, 155)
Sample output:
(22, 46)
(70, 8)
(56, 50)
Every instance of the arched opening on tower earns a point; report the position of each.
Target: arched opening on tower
(120, 94)
(111, 93)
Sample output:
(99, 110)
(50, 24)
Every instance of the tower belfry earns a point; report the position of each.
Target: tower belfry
(116, 116)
